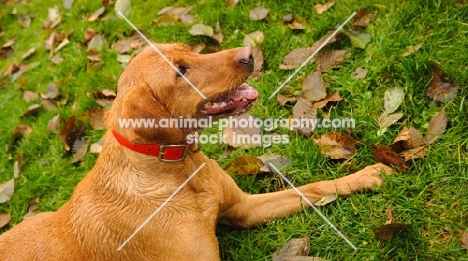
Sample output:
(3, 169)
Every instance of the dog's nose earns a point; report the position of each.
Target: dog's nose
(245, 57)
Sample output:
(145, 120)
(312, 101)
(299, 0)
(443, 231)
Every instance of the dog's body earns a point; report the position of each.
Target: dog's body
(125, 187)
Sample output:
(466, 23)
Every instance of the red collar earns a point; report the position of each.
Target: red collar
(163, 152)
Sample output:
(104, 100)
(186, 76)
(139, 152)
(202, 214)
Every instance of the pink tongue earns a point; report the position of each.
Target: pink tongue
(244, 91)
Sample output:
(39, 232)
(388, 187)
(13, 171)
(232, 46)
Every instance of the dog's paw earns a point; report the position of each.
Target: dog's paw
(369, 176)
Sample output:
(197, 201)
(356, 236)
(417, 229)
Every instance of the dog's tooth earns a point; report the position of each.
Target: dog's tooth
(223, 104)
(207, 105)
(215, 105)
(244, 99)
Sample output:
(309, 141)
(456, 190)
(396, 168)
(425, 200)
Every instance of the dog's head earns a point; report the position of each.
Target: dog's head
(150, 88)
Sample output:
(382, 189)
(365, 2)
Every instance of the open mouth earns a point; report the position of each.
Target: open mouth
(233, 103)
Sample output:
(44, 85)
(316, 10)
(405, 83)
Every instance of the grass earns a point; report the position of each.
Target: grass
(432, 195)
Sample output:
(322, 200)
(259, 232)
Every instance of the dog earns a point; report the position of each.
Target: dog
(140, 168)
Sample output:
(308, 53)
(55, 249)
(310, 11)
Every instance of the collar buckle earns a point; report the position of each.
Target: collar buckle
(163, 148)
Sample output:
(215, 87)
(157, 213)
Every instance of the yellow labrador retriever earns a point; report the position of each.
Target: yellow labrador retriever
(139, 168)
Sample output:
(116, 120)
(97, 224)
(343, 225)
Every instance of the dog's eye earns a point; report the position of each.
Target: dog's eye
(183, 70)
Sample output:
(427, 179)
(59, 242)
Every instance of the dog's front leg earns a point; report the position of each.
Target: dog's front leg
(249, 210)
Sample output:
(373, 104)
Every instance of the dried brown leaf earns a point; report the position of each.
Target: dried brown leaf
(29, 53)
(362, 18)
(93, 17)
(326, 200)
(56, 58)
(440, 90)
(464, 240)
(360, 73)
(4, 219)
(19, 132)
(314, 87)
(388, 232)
(253, 39)
(31, 111)
(258, 64)
(322, 8)
(33, 204)
(303, 112)
(52, 91)
(336, 145)
(258, 13)
(437, 126)
(49, 104)
(96, 119)
(277, 160)
(201, 29)
(282, 99)
(387, 156)
(230, 3)
(389, 214)
(6, 190)
(334, 97)
(407, 139)
(293, 248)
(329, 59)
(89, 34)
(416, 153)
(96, 147)
(30, 96)
(54, 124)
(81, 151)
(18, 164)
(217, 34)
(73, 135)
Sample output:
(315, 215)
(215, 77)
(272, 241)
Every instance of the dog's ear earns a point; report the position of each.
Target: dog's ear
(136, 106)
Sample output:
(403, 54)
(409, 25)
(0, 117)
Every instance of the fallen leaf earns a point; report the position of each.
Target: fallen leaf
(303, 112)
(239, 137)
(96, 119)
(463, 240)
(94, 16)
(358, 38)
(437, 126)
(288, 18)
(329, 59)
(416, 153)
(326, 200)
(386, 120)
(81, 151)
(25, 19)
(360, 73)
(54, 124)
(314, 87)
(19, 132)
(123, 6)
(393, 99)
(298, 56)
(277, 160)
(334, 97)
(53, 18)
(49, 43)
(61, 45)
(230, 3)
(322, 8)
(18, 164)
(257, 72)
(73, 135)
(407, 139)
(33, 204)
(201, 29)
(282, 99)
(28, 54)
(6, 190)
(56, 58)
(389, 214)
(387, 156)
(292, 248)
(440, 90)
(32, 110)
(217, 35)
(244, 165)
(253, 39)
(29, 96)
(89, 34)
(412, 49)
(336, 145)
(52, 91)
(388, 232)
(4, 219)
(258, 13)
(96, 147)
(49, 104)
(362, 18)
(96, 42)
(297, 23)
(67, 4)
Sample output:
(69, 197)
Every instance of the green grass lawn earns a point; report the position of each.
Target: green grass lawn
(432, 195)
